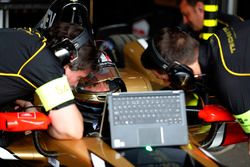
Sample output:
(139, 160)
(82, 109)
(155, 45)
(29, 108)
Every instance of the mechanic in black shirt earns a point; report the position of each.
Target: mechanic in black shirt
(49, 67)
(193, 15)
(176, 57)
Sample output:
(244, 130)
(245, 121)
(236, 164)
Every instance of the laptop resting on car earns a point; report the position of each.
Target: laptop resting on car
(155, 118)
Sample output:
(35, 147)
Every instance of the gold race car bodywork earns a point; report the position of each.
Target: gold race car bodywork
(77, 153)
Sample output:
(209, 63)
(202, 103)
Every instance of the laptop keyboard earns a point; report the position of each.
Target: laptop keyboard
(147, 109)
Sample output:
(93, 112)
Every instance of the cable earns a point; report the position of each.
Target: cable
(40, 149)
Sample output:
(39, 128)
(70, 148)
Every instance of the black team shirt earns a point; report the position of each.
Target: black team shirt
(227, 64)
(25, 64)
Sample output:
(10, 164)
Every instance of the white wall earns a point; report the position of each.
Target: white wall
(232, 7)
(4, 23)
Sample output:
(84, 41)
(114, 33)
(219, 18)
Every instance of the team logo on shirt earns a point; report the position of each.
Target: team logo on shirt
(230, 39)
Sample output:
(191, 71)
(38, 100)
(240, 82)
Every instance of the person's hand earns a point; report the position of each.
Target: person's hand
(26, 105)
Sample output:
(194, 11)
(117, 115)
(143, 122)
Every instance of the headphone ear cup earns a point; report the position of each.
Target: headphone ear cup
(181, 79)
(181, 76)
(62, 51)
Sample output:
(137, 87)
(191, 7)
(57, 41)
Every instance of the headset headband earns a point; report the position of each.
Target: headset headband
(181, 76)
(156, 57)
(81, 39)
(63, 50)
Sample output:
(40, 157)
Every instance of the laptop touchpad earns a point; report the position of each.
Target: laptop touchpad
(150, 136)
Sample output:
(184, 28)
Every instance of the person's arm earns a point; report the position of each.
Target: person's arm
(66, 123)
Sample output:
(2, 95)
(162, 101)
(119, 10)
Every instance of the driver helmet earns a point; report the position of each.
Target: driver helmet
(91, 91)
(70, 11)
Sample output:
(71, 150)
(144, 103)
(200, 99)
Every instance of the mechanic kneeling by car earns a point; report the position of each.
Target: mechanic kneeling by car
(175, 57)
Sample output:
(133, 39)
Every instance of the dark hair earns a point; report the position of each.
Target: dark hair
(87, 54)
(172, 44)
(190, 2)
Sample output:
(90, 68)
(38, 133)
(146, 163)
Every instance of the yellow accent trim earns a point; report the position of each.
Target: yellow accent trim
(39, 35)
(222, 22)
(189, 146)
(205, 36)
(211, 8)
(55, 92)
(210, 23)
(224, 63)
(19, 71)
(244, 121)
(203, 129)
(30, 31)
(194, 101)
(195, 96)
(20, 76)
(39, 50)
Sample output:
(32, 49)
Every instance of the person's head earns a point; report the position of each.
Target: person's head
(94, 87)
(192, 13)
(72, 45)
(91, 92)
(173, 56)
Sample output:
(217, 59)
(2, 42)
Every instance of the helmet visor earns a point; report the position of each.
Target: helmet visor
(107, 72)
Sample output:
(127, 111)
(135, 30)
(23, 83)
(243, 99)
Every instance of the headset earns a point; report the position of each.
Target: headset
(181, 76)
(70, 11)
(67, 50)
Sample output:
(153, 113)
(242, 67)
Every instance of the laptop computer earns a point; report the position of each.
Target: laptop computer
(152, 118)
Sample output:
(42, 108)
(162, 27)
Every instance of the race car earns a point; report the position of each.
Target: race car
(39, 149)
(127, 75)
